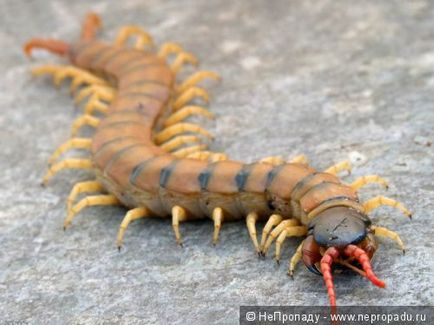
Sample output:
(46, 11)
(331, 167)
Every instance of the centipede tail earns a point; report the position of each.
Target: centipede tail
(147, 156)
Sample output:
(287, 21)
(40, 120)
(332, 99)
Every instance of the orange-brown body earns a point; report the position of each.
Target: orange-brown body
(130, 162)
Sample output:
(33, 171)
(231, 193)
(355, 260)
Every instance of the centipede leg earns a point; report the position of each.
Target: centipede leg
(339, 167)
(95, 104)
(82, 187)
(86, 119)
(182, 59)
(131, 215)
(74, 143)
(301, 159)
(105, 93)
(208, 155)
(169, 48)
(142, 37)
(292, 231)
(177, 129)
(184, 152)
(107, 199)
(251, 219)
(217, 217)
(59, 73)
(273, 160)
(364, 180)
(178, 141)
(274, 220)
(384, 232)
(66, 164)
(188, 95)
(382, 200)
(195, 79)
(295, 259)
(185, 112)
(178, 215)
(276, 232)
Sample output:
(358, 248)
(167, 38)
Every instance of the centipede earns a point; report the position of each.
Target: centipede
(146, 156)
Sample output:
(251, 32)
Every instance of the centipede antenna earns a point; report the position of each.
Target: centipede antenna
(90, 27)
(362, 257)
(51, 45)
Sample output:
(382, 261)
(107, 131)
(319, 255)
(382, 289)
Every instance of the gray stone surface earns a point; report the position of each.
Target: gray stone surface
(331, 79)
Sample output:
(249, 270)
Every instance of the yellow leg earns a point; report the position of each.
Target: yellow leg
(105, 93)
(86, 119)
(74, 143)
(180, 153)
(178, 215)
(276, 232)
(335, 169)
(364, 180)
(218, 156)
(95, 104)
(59, 73)
(301, 159)
(294, 231)
(188, 95)
(182, 59)
(196, 78)
(382, 200)
(185, 112)
(142, 38)
(179, 128)
(82, 187)
(251, 219)
(208, 155)
(384, 232)
(217, 217)
(131, 215)
(169, 48)
(295, 259)
(64, 164)
(273, 160)
(89, 201)
(179, 141)
(274, 220)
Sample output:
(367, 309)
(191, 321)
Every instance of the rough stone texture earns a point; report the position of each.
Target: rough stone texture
(331, 79)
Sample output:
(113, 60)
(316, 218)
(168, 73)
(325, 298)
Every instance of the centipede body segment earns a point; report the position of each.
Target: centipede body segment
(148, 158)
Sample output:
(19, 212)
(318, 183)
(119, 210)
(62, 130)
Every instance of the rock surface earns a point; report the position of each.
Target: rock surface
(332, 80)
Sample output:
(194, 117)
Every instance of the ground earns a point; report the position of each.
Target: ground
(333, 80)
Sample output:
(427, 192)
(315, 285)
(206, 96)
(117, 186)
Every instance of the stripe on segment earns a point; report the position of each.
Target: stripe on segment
(302, 182)
(166, 172)
(205, 176)
(325, 184)
(100, 57)
(119, 154)
(114, 124)
(105, 144)
(140, 66)
(242, 176)
(141, 82)
(115, 59)
(127, 94)
(272, 174)
(137, 170)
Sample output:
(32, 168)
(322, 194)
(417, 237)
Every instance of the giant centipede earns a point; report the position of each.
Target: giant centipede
(151, 161)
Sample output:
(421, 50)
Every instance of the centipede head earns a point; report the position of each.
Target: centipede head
(340, 234)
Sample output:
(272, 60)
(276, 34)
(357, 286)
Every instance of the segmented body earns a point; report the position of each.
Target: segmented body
(140, 173)
(130, 158)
